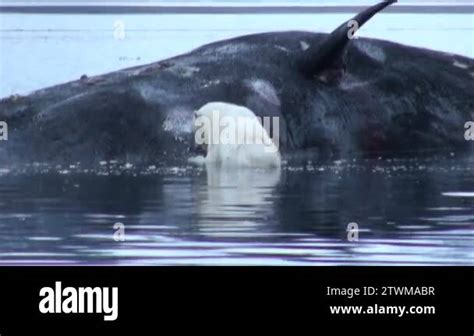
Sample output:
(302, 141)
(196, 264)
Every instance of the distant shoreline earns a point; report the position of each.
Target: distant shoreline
(221, 8)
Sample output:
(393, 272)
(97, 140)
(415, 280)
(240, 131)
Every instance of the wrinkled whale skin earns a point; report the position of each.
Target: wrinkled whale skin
(391, 98)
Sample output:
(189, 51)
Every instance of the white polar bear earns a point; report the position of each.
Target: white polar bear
(233, 136)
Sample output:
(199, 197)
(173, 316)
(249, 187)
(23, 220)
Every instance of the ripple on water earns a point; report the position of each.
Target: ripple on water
(409, 212)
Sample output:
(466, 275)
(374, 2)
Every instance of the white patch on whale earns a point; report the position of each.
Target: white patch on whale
(350, 82)
(304, 45)
(279, 47)
(371, 50)
(151, 93)
(264, 89)
(211, 83)
(458, 64)
(227, 49)
(186, 71)
(179, 122)
(247, 143)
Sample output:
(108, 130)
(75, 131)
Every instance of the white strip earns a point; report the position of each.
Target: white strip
(197, 4)
(458, 194)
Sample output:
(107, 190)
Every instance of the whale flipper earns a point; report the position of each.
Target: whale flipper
(326, 58)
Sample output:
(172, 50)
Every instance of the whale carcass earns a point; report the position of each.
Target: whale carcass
(333, 94)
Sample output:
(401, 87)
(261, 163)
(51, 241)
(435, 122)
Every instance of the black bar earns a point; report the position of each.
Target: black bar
(153, 299)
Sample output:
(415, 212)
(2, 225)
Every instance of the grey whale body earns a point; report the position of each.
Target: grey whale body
(361, 95)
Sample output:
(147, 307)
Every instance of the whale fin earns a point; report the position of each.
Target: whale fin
(325, 60)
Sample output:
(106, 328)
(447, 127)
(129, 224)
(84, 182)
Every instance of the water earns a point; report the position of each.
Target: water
(408, 211)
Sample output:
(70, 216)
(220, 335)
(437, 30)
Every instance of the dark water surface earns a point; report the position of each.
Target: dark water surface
(409, 211)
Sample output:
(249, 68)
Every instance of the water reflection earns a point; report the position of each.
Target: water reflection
(235, 202)
(409, 212)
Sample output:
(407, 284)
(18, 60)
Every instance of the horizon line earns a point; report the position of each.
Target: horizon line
(223, 8)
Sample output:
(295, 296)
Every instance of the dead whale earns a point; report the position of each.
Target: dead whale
(333, 94)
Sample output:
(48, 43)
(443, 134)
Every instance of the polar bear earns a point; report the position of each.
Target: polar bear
(233, 136)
